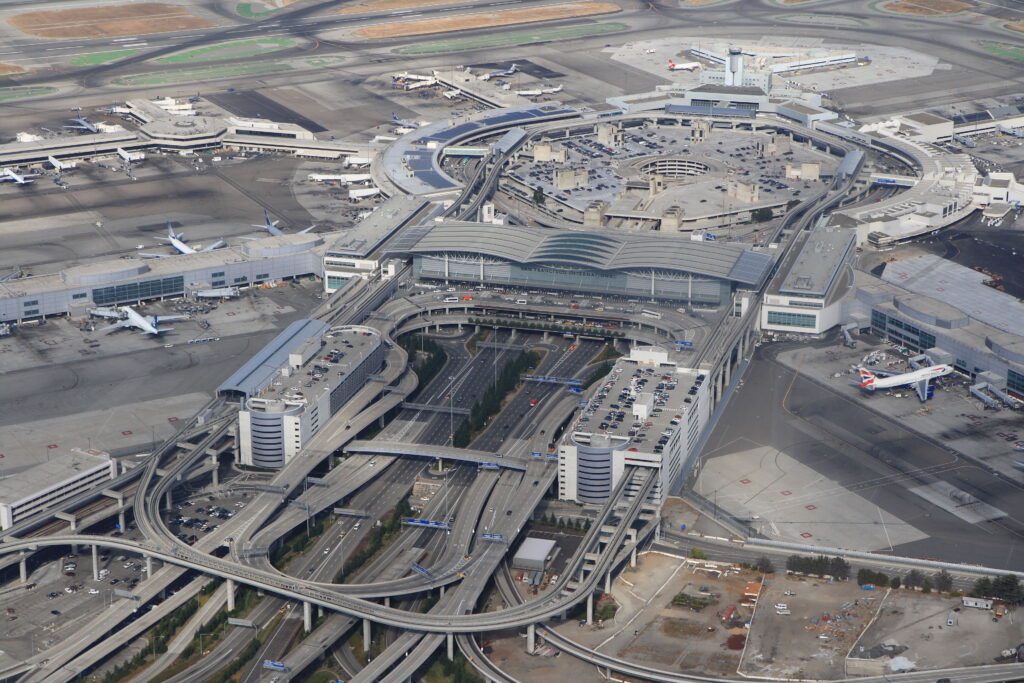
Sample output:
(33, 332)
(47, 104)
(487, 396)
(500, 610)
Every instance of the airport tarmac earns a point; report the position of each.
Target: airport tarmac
(861, 447)
(131, 389)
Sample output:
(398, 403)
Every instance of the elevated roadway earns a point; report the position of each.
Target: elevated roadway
(399, 448)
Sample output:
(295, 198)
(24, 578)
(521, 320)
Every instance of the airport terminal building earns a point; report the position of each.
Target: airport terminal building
(665, 267)
(130, 280)
(295, 384)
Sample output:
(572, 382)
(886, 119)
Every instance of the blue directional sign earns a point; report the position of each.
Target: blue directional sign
(687, 344)
(575, 390)
(274, 666)
(494, 538)
(537, 454)
(420, 570)
(426, 523)
(553, 456)
(489, 466)
(582, 404)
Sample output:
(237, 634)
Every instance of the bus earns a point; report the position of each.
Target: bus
(650, 314)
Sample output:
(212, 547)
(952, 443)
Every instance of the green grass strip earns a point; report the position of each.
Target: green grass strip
(523, 37)
(1008, 50)
(101, 57)
(200, 74)
(18, 91)
(245, 9)
(223, 50)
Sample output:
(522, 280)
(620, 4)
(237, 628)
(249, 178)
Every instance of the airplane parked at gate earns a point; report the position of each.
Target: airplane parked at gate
(82, 123)
(918, 378)
(127, 317)
(685, 66)
(176, 240)
(271, 226)
(403, 124)
(11, 176)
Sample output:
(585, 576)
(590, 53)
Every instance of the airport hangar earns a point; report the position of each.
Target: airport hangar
(666, 267)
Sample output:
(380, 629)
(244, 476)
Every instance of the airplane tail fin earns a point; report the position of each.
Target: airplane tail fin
(867, 378)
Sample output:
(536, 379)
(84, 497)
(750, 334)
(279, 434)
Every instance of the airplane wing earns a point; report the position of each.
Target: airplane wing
(118, 325)
(215, 245)
(922, 390)
(155, 255)
(303, 232)
(154, 319)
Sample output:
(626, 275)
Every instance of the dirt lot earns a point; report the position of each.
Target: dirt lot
(915, 626)
(108, 21)
(812, 641)
(927, 7)
(6, 69)
(1016, 25)
(487, 20)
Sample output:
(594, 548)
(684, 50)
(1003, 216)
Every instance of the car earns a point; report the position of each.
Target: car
(55, 612)
(327, 550)
(114, 582)
(51, 596)
(93, 591)
(781, 605)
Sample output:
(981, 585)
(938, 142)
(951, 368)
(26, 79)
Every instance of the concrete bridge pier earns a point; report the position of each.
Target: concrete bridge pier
(367, 634)
(608, 582)
(450, 641)
(149, 566)
(96, 563)
(307, 616)
(531, 638)
(23, 568)
(590, 609)
(231, 594)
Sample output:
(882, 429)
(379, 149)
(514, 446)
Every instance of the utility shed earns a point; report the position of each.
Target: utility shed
(980, 603)
(534, 554)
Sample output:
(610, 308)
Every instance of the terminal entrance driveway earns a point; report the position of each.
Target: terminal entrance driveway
(801, 457)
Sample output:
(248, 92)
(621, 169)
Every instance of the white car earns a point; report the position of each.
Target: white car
(781, 605)
(327, 551)
(93, 591)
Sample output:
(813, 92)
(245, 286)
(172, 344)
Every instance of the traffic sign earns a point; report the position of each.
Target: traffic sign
(274, 666)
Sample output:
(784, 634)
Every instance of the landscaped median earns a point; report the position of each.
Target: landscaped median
(101, 57)
(506, 38)
(201, 74)
(232, 50)
(468, 22)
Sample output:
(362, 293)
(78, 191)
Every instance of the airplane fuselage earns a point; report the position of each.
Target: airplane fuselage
(871, 382)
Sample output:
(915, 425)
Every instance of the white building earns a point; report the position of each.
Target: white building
(40, 487)
(290, 389)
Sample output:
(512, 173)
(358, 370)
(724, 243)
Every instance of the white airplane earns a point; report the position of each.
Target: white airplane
(494, 74)
(403, 124)
(539, 91)
(127, 317)
(177, 241)
(60, 165)
(685, 66)
(11, 176)
(271, 226)
(82, 123)
(918, 378)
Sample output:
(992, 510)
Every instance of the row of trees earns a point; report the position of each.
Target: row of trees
(546, 327)
(1006, 588)
(158, 637)
(561, 523)
(426, 367)
(490, 403)
(819, 565)
(598, 374)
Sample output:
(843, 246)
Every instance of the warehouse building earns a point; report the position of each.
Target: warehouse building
(534, 554)
(675, 269)
(59, 478)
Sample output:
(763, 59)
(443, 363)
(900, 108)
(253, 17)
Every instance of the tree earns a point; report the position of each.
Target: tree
(914, 578)
(761, 215)
(982, 588)
(765, 565)
(894, 582)
(926, 586)
(538, 196)
(839, 568)
(943, 581)
(698, 554)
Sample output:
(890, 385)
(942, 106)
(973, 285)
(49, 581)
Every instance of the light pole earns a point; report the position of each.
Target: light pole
(202, 652)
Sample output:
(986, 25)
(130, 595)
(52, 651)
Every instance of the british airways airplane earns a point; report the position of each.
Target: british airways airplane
(918, 378)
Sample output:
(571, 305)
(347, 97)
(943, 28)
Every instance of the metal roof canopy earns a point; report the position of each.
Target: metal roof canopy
(429, 451)
(259, 371)
(601, 250)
